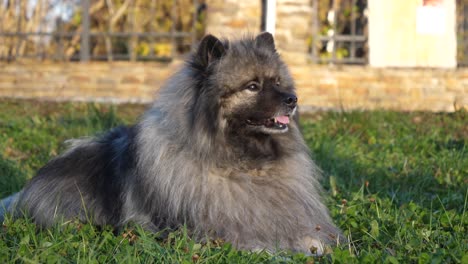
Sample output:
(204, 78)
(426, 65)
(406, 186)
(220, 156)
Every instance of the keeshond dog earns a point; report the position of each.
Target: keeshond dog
(219, 152)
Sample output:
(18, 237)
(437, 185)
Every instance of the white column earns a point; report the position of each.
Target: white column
(270, 23)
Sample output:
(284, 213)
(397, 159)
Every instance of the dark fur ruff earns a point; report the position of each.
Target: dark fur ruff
(194, 159)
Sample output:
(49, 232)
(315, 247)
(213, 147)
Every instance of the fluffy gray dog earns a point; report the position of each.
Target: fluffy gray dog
(220, 151)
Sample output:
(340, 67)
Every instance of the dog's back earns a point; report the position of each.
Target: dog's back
(85, 182)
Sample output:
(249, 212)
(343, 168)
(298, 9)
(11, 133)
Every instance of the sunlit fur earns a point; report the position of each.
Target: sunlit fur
(192, 160)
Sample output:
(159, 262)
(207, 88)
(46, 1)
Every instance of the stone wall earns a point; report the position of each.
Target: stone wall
(319, 87)
(112, 82)
(322, 87)
(360, 87)
(231, 18)
(294, 29)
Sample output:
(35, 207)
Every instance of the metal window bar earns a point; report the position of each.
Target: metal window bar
(350, 41)
(86, 36)
(462, 32)
(194, 25)
(173, 25)
(20, 19)
(85, 32)
(151, 26)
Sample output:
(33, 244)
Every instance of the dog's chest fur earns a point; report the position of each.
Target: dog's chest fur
(261, 205)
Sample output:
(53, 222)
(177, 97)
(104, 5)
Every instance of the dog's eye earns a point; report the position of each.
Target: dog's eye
(253, 87)
(278, 83)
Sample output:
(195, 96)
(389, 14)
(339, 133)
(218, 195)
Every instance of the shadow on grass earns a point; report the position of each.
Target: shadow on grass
(419, 183)
(12, 178)
(407, 157)
(396, 199)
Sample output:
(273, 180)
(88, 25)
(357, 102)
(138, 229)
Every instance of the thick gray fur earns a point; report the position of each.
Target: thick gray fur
(192, 160)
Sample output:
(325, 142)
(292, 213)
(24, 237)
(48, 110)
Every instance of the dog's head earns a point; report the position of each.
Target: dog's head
(249, 84)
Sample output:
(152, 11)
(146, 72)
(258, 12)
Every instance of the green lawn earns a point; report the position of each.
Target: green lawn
(397, 184)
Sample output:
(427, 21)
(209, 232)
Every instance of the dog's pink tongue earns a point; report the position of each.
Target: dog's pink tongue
(283, 119)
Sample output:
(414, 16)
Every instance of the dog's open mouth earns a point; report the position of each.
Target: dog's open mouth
(271, 125)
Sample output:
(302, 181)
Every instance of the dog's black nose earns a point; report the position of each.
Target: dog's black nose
(290, 100)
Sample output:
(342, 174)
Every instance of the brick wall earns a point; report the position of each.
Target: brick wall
(114, 82)
(232, 18)
(325, 87)
(293, 29)
(359, 87)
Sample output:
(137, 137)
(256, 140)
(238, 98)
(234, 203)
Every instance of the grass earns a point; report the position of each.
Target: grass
(396, 183)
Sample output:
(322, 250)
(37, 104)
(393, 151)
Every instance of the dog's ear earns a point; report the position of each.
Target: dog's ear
(266, 40)
(209, 50)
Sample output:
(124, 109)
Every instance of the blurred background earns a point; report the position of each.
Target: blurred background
(346, 54)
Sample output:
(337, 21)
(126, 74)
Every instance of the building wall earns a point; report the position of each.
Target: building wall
(230, 18)
(294, 30)
(395, 41)
(318, 87)
(109, 82)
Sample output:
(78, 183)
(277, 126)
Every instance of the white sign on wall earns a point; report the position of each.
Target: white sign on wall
(431, 18)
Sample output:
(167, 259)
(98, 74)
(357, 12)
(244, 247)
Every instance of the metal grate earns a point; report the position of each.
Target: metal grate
(462, 33)
(72, 30)
(339, 32)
